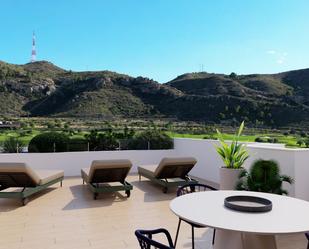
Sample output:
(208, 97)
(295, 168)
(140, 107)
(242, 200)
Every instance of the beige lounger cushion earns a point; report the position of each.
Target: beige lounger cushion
(47, 176)
(39, 177)
(88, 173)
(178, 162)
(19, 168)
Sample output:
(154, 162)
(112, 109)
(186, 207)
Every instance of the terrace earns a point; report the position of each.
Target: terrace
(68, 217)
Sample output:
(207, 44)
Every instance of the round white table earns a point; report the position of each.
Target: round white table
(243, 230)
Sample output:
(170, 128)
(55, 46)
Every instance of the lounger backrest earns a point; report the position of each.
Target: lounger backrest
(174, 167)
(17, 175)
(109, 171)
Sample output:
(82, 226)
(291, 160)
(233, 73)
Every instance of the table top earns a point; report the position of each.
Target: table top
(288, 215)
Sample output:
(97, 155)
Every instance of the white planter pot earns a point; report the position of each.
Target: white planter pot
(229, 178)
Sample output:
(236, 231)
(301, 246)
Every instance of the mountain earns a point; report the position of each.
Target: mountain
(43, 89)
(273, 99)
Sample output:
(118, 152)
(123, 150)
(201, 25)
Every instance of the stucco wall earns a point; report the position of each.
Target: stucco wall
(294, 163)
(72, 162)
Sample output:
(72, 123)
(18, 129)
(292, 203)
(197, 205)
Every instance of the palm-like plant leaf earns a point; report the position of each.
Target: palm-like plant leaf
(234, 154)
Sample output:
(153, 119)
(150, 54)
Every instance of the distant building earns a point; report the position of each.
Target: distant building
(9, 125)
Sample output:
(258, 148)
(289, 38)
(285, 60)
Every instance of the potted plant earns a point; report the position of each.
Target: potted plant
(264, 176)
(234, 155)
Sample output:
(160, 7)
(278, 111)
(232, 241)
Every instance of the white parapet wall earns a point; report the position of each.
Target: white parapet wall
(73, 162)
(293, 162)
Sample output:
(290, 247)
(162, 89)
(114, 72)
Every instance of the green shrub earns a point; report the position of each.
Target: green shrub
(259, 140)
(300, 142)
(50, 125)
(102, 141)
(292, 131)
(151, 139)
(69, 132)
(49, 142)
(306, 142)
(77, 144)
(266, 140)
(290, 144)
(272, 140)
(263, 176)
(210, 137)
(24, 133)
(12, 145)
(108, 139)
(303, 134)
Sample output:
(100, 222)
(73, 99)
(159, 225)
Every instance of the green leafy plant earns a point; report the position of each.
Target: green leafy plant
(264, 176)
(12, 145)
(234, 154)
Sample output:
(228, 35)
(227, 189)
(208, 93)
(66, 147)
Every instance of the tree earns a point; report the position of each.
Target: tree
(106, 140)
(31, 124)
(66, 126)
(50, 125)
(151, 139)
(233, 75)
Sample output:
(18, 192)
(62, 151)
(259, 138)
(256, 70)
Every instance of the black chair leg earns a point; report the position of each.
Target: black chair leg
(192, 229)
(308, 245)
(214, 236)
(177, 233)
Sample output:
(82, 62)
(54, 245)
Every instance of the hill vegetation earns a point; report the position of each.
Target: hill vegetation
(43, 89)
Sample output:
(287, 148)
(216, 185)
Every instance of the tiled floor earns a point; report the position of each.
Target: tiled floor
(68, 217)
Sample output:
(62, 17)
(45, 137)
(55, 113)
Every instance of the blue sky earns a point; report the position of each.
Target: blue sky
(159, 39)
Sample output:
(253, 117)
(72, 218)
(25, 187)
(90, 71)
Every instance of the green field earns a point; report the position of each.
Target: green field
(77, 128)
(24, 139)
(290, 140)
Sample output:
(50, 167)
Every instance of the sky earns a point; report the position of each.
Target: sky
(159, 39)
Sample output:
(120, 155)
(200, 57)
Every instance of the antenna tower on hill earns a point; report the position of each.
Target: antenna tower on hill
(33, 53)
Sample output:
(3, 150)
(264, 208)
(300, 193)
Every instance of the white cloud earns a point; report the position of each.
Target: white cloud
(271, 52)
(279, 57)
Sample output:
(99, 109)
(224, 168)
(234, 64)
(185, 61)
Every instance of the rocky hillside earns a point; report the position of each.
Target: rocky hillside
(43, 89)
(273, 100)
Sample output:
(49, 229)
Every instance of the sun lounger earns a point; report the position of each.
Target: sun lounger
(19, 175)
(171, 172)
(103, 173)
